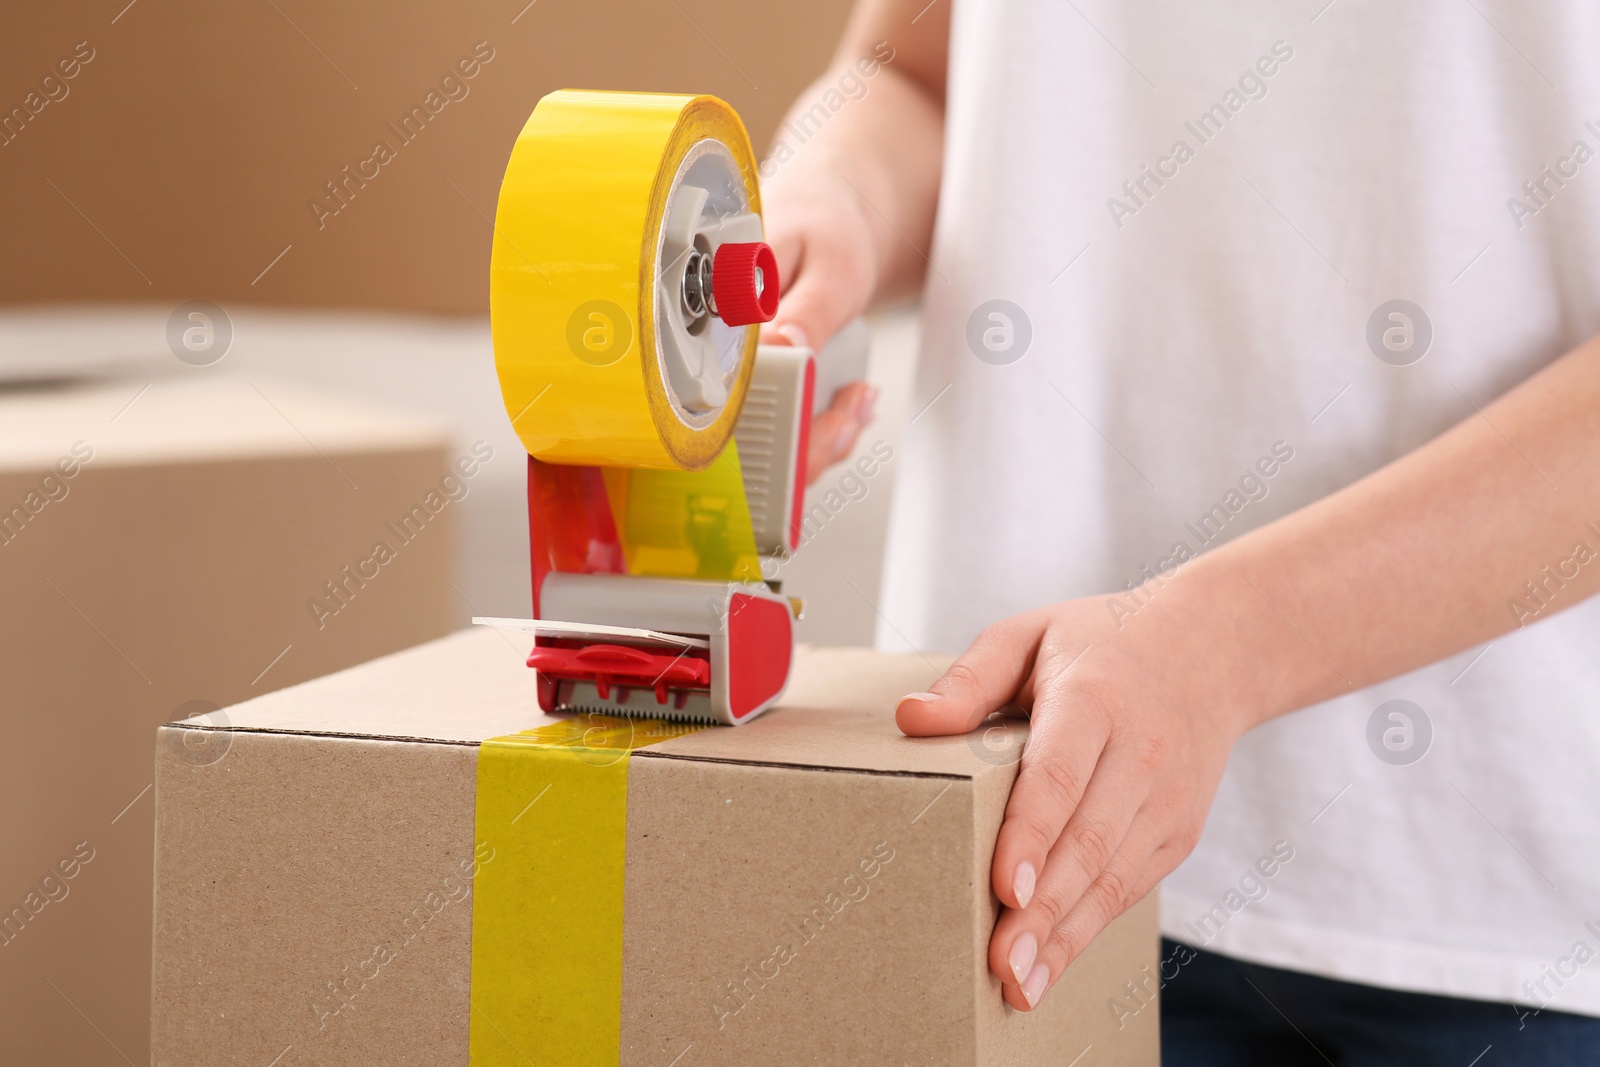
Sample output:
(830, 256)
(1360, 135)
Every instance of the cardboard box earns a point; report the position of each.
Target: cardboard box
(810, 887)
(159, 544)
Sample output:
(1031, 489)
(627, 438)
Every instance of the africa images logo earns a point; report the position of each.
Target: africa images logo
(1399, 732)
(1399, 332)
(999, 332)
(199, 333)
(599, 333)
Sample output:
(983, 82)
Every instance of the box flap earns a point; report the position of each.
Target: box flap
(465, 688)
(838, 712)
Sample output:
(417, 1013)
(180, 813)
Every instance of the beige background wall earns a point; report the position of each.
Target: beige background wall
(180, 160)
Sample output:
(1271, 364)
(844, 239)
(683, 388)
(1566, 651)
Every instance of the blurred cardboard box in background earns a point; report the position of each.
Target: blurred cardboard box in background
(167, 548)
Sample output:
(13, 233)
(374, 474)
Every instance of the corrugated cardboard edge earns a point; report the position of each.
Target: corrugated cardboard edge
(1124, 951)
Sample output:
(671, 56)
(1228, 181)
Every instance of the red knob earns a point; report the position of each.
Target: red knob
(744, 283)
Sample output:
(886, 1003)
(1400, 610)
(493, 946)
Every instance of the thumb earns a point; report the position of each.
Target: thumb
(985, 678)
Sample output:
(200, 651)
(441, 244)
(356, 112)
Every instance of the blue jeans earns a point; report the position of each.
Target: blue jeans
(1220, 1012)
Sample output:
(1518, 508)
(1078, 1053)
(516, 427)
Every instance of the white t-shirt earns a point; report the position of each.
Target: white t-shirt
(1289, 171)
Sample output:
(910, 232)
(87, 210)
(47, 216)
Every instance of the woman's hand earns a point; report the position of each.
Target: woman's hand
(1132, 716)
(828, 270)
(1136, 699)
(849, 201)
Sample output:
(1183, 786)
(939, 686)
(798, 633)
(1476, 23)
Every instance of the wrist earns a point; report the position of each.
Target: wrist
(1250, 661)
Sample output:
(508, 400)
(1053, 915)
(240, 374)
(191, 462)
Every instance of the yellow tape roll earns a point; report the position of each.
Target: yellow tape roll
(573, 292)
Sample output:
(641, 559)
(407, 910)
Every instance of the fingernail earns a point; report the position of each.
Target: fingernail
(1033, 986)
(926, 698)
(794, 335)
(843, 437)
(865, 406)
(1022, 883)
(1023, 952)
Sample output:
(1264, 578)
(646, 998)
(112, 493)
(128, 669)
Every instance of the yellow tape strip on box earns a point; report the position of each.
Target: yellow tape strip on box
(547, 914)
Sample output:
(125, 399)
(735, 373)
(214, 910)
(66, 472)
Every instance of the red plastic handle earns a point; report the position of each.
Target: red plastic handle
(621, 666)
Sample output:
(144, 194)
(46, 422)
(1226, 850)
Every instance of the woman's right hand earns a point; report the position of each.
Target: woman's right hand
(827, 268)
(849, 209)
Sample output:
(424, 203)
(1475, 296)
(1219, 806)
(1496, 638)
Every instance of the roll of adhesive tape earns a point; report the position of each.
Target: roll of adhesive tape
(604, 198)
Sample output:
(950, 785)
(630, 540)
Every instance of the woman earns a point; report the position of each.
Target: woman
(1257, 446)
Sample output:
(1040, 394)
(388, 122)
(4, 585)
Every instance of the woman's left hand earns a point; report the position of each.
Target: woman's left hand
(1133, 715)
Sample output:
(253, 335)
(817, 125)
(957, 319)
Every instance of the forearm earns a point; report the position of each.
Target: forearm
(881, 132)
(1421, 559)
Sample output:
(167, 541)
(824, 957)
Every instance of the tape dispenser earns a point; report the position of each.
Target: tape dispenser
(666, 447)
